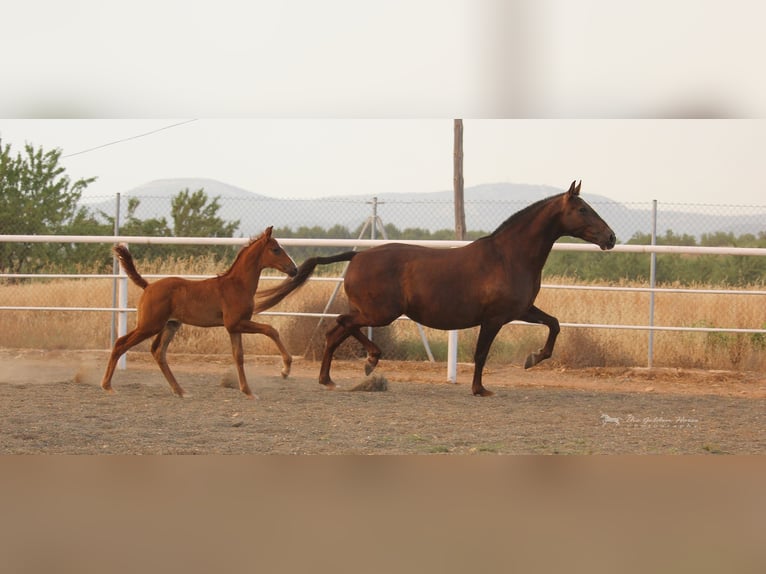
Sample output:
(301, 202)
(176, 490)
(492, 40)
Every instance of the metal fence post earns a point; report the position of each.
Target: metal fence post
(652, 283)
(452, 357)
(122, 315)
(115, 271)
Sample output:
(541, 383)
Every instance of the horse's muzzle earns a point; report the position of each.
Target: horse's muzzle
(609, 242)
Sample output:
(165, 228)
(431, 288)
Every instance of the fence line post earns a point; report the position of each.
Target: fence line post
(652, 283)
(122, 316)
(115, 271)
(373, 227)
(452, 357)
(458, 184)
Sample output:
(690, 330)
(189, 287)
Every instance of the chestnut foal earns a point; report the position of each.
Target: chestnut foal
(225, 300)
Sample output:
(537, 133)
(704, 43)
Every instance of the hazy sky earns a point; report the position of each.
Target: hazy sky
(683, 161)
(317, 69)
(392, 58)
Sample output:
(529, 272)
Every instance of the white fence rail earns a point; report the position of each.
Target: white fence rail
(121, 308)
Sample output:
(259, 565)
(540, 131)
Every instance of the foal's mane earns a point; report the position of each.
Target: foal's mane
(241, 252)
(524, 214)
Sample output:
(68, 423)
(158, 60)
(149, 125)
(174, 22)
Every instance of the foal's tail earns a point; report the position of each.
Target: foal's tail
(270, 297)
(126, 260)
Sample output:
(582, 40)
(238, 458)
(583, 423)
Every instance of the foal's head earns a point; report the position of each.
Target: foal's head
(579, 219)
(274, 256)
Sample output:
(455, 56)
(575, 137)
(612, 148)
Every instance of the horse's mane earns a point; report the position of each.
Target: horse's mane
(241, 252)
(523, 214)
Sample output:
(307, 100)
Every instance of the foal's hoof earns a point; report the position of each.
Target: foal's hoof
(285, 372)
(483, 393)
(531, 361)
(328, 385)
(286, 367)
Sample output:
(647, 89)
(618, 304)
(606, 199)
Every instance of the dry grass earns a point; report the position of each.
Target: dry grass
(575, 347)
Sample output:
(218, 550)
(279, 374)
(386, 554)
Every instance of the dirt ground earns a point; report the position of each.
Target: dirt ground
(51, 402)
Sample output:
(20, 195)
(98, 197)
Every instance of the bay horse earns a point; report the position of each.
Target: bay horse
(487, 283)
(225, 300)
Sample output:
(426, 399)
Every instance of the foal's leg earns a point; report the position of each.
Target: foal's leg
(121, 346)
(239, 361)
(534, 315)
(271, 333)
(487, 334)
(159, 351)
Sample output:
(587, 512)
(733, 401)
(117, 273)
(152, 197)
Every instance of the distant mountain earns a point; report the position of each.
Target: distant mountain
(486, 207)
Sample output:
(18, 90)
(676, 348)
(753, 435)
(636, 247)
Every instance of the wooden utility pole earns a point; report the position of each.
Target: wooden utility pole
(457, 163)
(458, 181)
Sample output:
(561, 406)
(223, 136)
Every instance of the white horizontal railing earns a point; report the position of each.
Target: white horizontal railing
(122, 309)
(757, 251)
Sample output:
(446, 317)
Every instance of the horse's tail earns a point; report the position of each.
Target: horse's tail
(270, 297)
(126, 260)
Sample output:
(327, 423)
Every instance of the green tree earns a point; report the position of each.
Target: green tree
(153, 227)
(132, 225)
(37, 197)
(194, 216)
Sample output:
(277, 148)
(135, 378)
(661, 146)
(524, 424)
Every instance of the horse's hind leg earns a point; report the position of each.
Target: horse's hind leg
(333, 339)
(535, 315)
(373, 351)
(335, 336)
(159, 351)
(121, 346)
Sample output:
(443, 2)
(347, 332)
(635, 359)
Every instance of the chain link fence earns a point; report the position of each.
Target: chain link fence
(408, 217)
(256, 213)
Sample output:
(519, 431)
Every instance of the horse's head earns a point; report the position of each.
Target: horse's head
(274, 256)
(579, 219)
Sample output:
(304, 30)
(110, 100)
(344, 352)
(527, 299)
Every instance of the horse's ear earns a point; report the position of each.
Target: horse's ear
(573, 190)
(577, 189)
(267, 233)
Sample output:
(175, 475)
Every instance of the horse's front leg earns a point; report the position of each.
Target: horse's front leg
(239, 362)
(534, 315)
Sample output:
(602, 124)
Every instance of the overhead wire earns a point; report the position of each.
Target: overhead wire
(130, 138)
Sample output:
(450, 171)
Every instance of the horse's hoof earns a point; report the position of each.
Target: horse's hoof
(370, 365)
(530, 362)
(329, 386)
(483, 393)
(285, 373)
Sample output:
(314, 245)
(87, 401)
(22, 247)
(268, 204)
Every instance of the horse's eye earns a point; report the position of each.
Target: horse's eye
(583, 210)
(276, 251)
